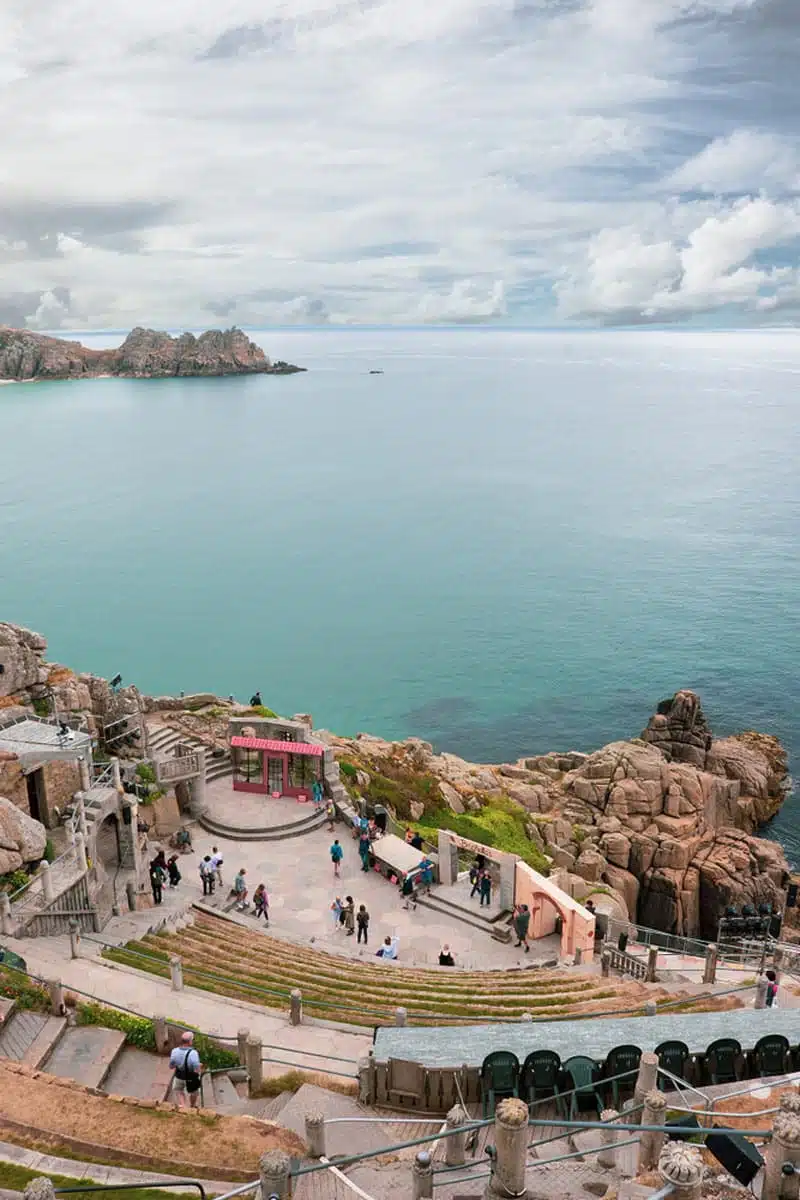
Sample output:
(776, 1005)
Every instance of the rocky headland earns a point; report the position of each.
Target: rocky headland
(145, 354)
(658, 828)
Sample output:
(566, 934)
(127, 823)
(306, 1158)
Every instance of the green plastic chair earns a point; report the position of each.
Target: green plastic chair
(770, 1055)
(675, 1058)
(499, 1078)
(540, 1076)
(580, 1073)
(722, 1060)
(620, 1061)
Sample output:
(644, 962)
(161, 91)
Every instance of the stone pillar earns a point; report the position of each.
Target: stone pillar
(273, 1170)
(296, 1007)
(605, 963)
(116, 778)
(80, 849)
(448, 858)
(652, 964)
(650, 1008)
(241, 1043)
(681, 1166)
(762, 983)
(508, 872)
(651, 1144)
(710, 971)
(74, 939)
(255, 1067)
(315, 1134)
(83, 768)
(578, 956)
(47, 881)
(160, 1034)
(198, 786)
(400, 1017)
(647, 1077)
(422, 1176)
(40, 1188)
(83, 824)
(367, 1080)
(6, 921)
(511, 1140)
(456, 1143)
(783, 1149)
(176, 974)
(55, 990)
(607, 1158)
(130, 892)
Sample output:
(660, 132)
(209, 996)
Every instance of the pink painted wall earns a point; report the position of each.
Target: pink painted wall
(546, 902)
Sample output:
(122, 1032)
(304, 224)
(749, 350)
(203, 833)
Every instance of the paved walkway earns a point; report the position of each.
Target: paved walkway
(51, 1164)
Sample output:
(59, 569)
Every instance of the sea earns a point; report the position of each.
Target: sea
(505, 542)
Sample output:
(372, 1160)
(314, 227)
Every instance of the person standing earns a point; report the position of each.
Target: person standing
(174, 871)
(207, 875)
(337, 854)
(261, 902)
(362, 920)
(475, 878)
(187, 1070)
(239, 890)
(408, 893)
(255, 700)
(336, 911)
(216, 863)
(522, 921)
(349, 913)
(158, 873)
(486, 888)
(330, 813)
(363, 850)
(771, 998)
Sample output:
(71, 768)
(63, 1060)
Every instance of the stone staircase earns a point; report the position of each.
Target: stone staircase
(488, 921)
(266, 833)
(163, 739)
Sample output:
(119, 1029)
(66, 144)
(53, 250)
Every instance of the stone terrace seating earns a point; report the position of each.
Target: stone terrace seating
(367, 992)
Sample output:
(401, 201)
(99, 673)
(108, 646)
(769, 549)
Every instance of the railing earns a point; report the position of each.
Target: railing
(72, 722)
(671, 942)
(628, 964)
(170, 770)
(31, 894)
(104, 777)
(73, 904)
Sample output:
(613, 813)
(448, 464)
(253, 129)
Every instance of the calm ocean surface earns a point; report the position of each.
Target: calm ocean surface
(508, 542)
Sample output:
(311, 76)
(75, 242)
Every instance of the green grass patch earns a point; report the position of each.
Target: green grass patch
(260, 710)
(16, 986)
(499, 824)
(14, 1178)
(140, 1032)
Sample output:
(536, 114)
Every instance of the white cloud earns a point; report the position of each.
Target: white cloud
(373, 160)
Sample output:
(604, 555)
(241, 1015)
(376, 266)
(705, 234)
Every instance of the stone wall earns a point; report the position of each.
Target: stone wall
(12, 781)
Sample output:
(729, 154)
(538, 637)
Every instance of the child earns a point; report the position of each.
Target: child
(336, 909)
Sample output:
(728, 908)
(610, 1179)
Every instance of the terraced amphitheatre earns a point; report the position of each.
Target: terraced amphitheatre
(221, 956)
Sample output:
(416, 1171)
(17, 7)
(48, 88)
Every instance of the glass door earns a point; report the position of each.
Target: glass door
(275, 775)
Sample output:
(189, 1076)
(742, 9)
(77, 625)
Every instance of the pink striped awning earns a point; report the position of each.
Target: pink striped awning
(275, 747)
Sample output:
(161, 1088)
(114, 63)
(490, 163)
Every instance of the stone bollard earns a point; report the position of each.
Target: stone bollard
(790, 1102)
(130, 892)
(80, 850)
(315, 1134)
(422, 1176)
(526, 1016)
(296, 1007)
(578, 956)
(74, 939)
(646, 1079)
(762, 983)
(456, 1143)
(176, 974)
(47, 881)
(710, 971)
(241, 1043)
(254, 1064)
(650, 1008)
(273, 1170)
(681, 1166)
(607, 1158)
(367, 1080)
(40, 1188)
(651, 1144)
(784, 1149)
(605, 963)
(55, 990)
(652, 965)
(83, 769)
(161, 1035)
(511, 1144)
(116, 776)
(6, 921)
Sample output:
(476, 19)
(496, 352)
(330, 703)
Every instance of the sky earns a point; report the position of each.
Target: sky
(529, 162)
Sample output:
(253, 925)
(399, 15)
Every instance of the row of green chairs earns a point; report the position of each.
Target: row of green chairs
(580, 1084)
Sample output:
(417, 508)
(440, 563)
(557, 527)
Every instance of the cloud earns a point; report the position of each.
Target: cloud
(397, 160)
(37, 310)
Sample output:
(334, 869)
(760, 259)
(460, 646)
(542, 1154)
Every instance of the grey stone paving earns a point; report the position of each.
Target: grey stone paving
(85, 1054)
(451, 1046)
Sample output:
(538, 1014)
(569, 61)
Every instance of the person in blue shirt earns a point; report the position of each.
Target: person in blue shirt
(337, 854)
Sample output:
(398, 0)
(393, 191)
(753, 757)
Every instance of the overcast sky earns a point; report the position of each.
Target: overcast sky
(188, 162)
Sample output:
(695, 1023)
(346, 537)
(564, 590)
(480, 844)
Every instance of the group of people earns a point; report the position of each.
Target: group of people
(211, 876)
(346, 917)
(481, 880)
(161, 870)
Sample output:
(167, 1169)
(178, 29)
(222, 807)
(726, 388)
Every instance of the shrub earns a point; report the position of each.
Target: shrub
(347, 769)
(145, 773)
(14, 880)
(17, 986)
(41, 706)
(500, 824)
(260, 710)
(140, 1032)
(49, 852)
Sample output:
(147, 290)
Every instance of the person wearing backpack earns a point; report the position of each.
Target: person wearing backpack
(185, 1062)
(362, 920)
(337, 854)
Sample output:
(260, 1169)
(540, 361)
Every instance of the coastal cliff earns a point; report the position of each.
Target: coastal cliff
(657, 829)
(145, 354)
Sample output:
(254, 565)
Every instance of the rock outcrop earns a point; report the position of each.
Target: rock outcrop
(145, 354)
(22, 840)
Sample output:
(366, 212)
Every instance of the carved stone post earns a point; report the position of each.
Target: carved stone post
(511, 1141)
(74, 938)
(40, 1188)
(710, 971)
(315, 1134)
(762, 983)
(783, 1149)
(83, 768)
(607, 1158)
(400, 1016)
(160, 1034)
(651, 1144)
(605, 963)
(652, 964)
(80, 849)
(650, 1008)
(681, 1166)
(296, 1007)
(273, 1170)
(176, 973)
(198, 785)
(55, 990)
(456, 1143)
(254, 1064)
(647, 1077)
(241, 1042)
(6, 921)
(422, 1177)
(116, 777)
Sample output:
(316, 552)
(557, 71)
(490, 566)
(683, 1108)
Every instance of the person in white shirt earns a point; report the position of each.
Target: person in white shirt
(389, 948)
(216, 864)
(185, 1062)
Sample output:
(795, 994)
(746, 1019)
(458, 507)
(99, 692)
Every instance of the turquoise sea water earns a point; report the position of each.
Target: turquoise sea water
(508, 542)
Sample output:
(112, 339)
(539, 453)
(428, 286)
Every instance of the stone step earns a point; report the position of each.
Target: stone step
(20, 1033)
(267, 833)
(138, 1073)
(86, 1053)
(457, 913)
(273, 1110)
(226, 1099)
(45, 1042)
